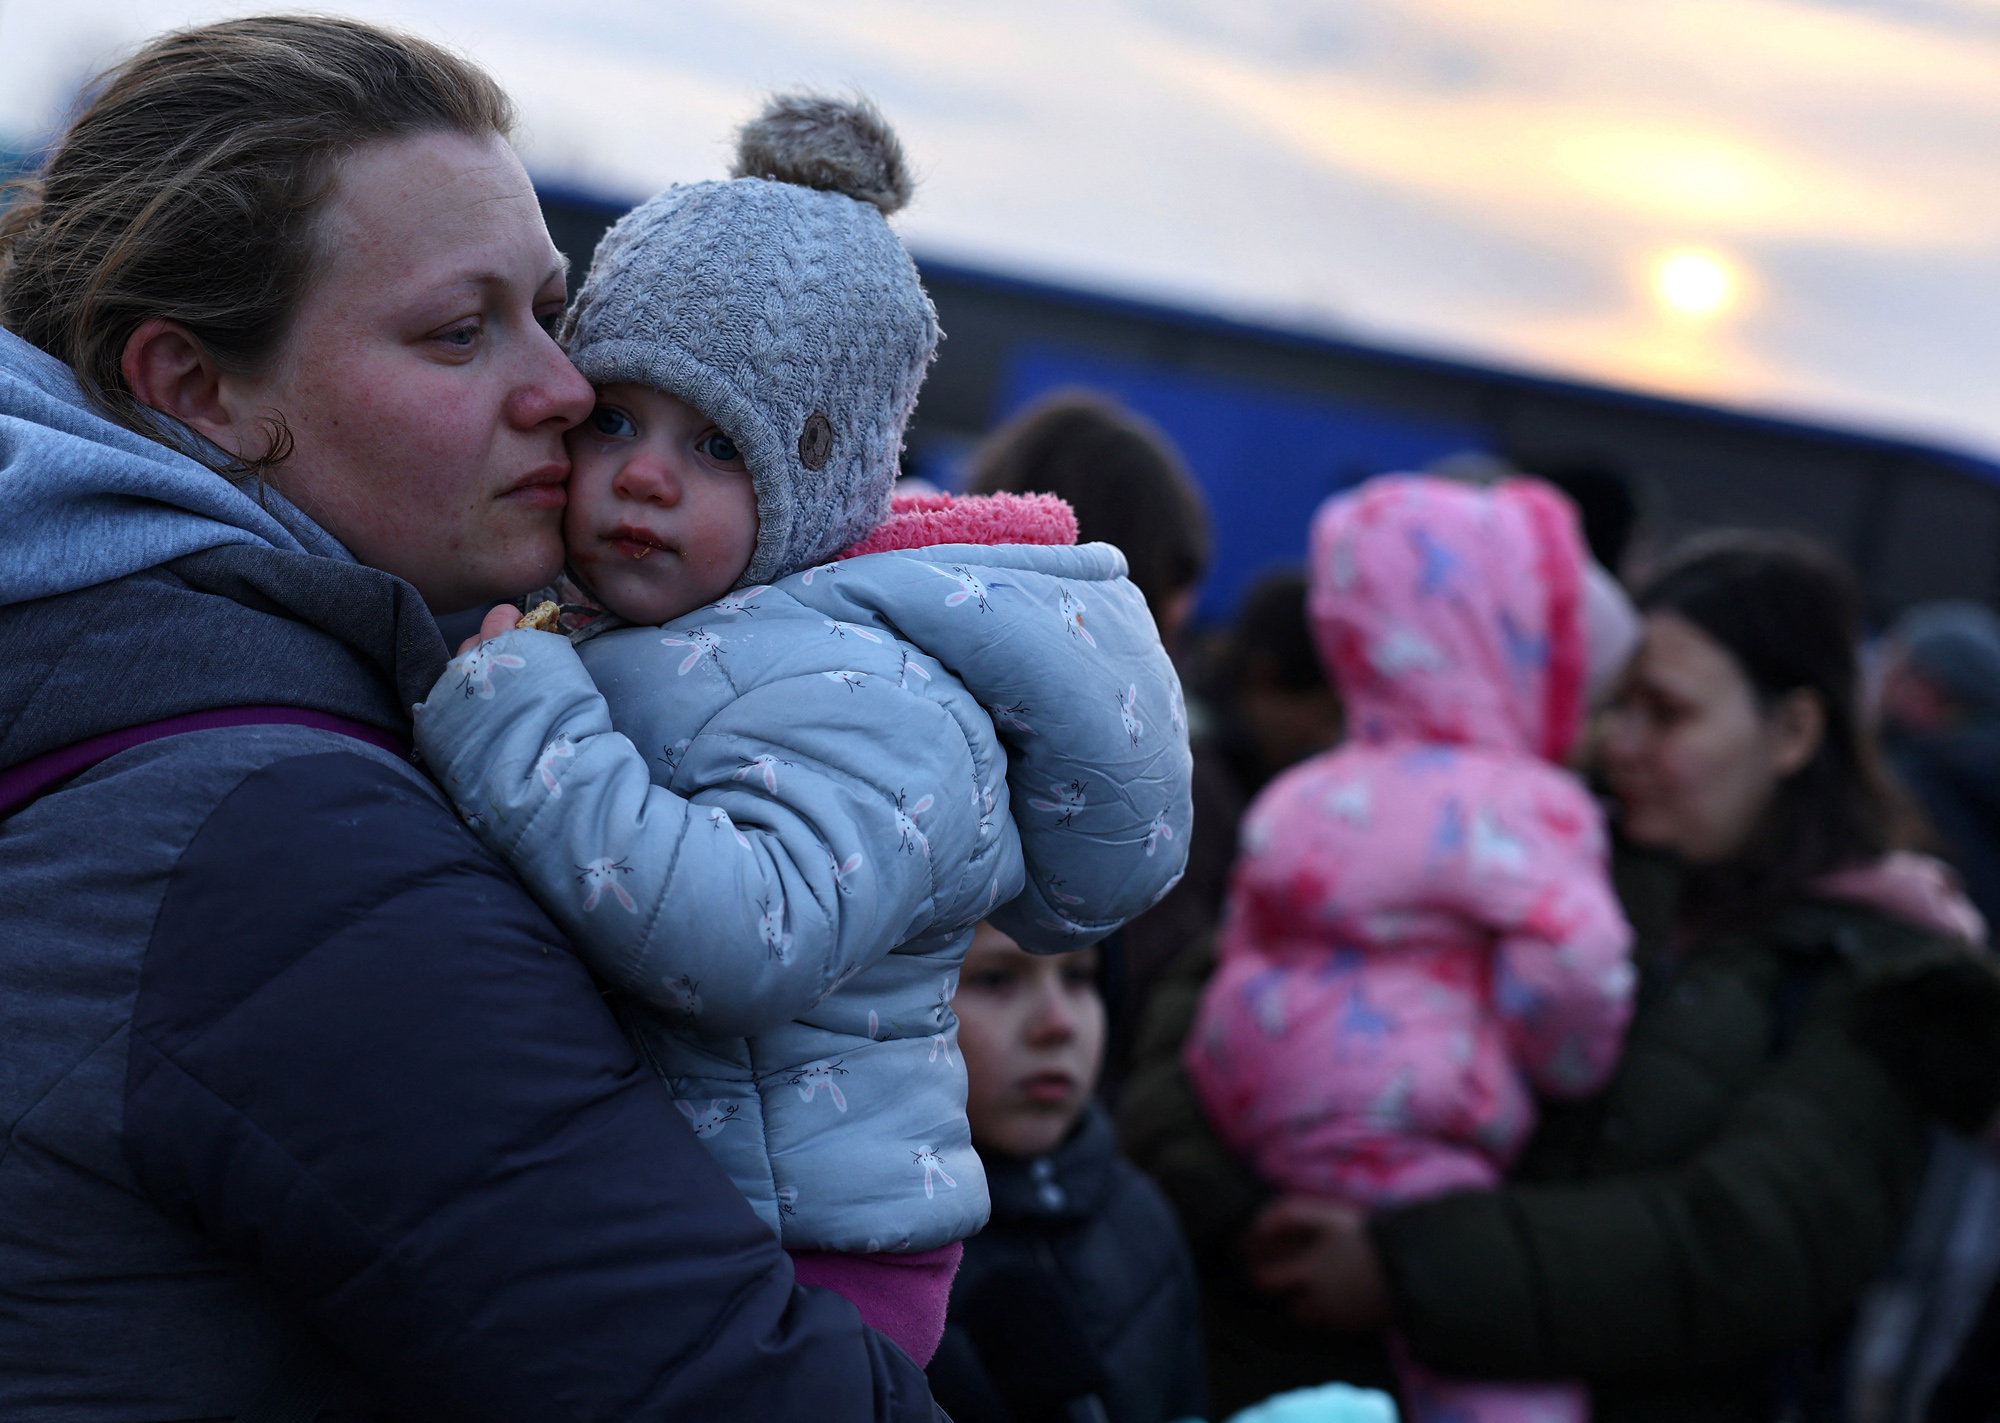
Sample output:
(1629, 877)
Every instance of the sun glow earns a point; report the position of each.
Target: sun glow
(1695, 283)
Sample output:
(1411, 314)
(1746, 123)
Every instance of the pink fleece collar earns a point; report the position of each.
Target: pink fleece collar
(923, 520)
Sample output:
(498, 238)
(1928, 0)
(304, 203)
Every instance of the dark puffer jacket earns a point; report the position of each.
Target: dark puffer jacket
(290, 1067)
(1080, 1280)
(1676, 1239)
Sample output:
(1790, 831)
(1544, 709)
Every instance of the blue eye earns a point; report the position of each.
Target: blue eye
(610, 420)
(719, 447)
(461, 336)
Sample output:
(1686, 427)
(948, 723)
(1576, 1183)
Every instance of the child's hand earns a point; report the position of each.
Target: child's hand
(501, 619)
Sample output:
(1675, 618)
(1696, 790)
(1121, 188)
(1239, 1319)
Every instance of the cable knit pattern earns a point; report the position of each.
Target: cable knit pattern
(791, 317)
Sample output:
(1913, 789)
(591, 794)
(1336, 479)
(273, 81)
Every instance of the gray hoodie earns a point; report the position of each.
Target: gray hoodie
(88, 501)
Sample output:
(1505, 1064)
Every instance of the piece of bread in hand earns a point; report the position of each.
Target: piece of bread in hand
(545, 616)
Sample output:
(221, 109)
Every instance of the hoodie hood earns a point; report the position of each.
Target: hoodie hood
(140, 585)
(1449, 612)
(84, 501)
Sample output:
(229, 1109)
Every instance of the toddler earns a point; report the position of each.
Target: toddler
(796, 743)
(1421, 928)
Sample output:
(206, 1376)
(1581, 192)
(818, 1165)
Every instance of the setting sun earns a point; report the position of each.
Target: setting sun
(1695, 282)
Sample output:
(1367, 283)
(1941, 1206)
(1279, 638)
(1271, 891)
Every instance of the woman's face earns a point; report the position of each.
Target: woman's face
(425, 395)
(1691, 754)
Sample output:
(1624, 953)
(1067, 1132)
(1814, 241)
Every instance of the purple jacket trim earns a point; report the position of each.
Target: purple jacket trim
(21, 784)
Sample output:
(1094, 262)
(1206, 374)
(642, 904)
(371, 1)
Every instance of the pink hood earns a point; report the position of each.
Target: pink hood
(1451, 612)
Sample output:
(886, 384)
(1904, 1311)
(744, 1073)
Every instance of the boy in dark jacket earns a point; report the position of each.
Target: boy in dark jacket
(1079, 1293)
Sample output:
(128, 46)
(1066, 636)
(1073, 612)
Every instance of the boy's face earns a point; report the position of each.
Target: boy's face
(662, 514)
(1031, 1027)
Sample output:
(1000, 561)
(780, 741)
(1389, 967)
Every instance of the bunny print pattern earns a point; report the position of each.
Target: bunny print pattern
(778, 818)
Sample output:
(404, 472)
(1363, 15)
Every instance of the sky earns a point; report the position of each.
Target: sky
(1790, 206)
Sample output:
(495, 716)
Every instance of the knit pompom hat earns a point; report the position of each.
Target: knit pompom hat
(781, 306)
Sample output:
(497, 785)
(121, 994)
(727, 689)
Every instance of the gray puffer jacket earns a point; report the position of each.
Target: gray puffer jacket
(777, 819)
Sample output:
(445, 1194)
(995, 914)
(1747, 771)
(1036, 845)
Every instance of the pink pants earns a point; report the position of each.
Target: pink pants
(903, 1296)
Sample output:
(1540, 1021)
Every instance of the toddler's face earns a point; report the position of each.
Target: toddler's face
(662, 516)
(1031, 1027)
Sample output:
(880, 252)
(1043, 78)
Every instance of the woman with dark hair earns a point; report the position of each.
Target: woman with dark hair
(1739, 745)
(1688, 1240)
(1939, 704)
(307, 1105)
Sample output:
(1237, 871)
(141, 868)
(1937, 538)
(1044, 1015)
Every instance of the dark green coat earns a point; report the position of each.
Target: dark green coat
(1673, 1239)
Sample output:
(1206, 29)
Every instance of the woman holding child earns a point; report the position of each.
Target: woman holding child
(310, 1108)
(1685, 1240)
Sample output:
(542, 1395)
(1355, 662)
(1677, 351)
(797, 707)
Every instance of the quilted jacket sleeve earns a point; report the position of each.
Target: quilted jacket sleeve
(801, 850)
(1749, 1245)
(364, 1061)
(1562, 972)
(1060, 649)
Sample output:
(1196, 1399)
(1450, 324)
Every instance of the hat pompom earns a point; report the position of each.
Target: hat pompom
(836, 145)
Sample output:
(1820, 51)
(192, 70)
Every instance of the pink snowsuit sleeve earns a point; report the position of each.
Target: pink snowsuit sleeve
(1562, 977)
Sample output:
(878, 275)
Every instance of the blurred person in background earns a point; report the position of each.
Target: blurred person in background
(1688, 1240)
(1080, 1287)
(1938, 700)
(1261, 704)
(1265, 693)
(1940, 716)
(1421, 929)
(1126, 482)
(1605, 504)
(1130, 487)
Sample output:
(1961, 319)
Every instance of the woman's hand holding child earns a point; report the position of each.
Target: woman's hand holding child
(1316, 1254)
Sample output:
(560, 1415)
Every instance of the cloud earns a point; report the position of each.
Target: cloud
(1514, 159)
(1482, 177)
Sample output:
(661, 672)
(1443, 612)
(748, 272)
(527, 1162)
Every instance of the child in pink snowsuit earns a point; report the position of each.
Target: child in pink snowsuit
(1421, 930)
